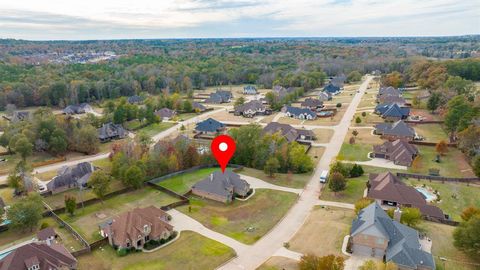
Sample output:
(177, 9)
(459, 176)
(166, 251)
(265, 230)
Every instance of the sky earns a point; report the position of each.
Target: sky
(131, 19)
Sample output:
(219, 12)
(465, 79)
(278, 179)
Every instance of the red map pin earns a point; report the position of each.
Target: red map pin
(223, 147)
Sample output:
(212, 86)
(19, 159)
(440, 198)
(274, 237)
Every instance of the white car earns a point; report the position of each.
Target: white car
(324, 176)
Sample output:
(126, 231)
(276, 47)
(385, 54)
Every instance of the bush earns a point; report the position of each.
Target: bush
(358, 120)
(339, 105)
(351, 140)
(122, 252)
(44, 225)
(364, 114)
(356, 171)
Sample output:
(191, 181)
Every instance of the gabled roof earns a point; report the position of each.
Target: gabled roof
(399, 151)
(77, 108)
(46, 233)
(403, 248)
(254, 105)
(135, 99)
(298, 111)
(290, 133)
(392, 99)
(52, 256)
(111, 130)
(388, 91)
(222, 183)
(165, 113)
(76, 175)
(324, 96)
(20, 116)
(398, 128)
(392, 110)
(209, 125)
(198, 106)
(331, 88)
(387, 186)
(250, 88)
(311, 102)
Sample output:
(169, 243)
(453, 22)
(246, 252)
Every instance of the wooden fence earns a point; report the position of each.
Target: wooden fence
(439, 178)
(431, 143)
(424, 122)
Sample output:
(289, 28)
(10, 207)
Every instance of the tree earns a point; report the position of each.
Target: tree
(364, 114)
(467, 236)
(416, 101)
(441, 147)
(362, 203)
(372, 265)
(356, 170)
(341, 168)
(433, 101)
(58, 142)
(355, 133)
(239, 101)
(416, 164)
(70, 204)
(460, 86)
(100, 183)
(329, 262)
(354, 76)
(300, 162)
(144, 140)
(468, 140)
(459, 114)
(187, 106)
(271, 166)
(15, 181)
(394, 79)
(469, 212)
(410, 215)
(134, 177)
(23, 147)
(358, 120)
(26, 213)
(86, 140)
(337, 182)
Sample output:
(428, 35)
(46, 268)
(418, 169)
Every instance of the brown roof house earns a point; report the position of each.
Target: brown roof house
(252, 108)
(312, 104)
(134, 228)
(165, 113)
(399, 151)
(290, 133)
(38, 256)
(394, 131)
(47, 235)
(110, 131)
(222, 187)
(375, 234)
(389, 191)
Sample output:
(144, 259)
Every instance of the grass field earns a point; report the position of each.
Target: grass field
(323, 232)
(153, 129)
(281, 179)
(354, 152)
(465, 196)
(316, 153)
(431, 132)
(260, 213)
(323, 135)
(279, 263)
(190, 252)
(86, 220)
(353, 192)
(453, 164)
(183, 182)
(370, 119)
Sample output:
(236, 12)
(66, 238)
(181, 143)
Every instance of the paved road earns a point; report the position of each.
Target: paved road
(268, 245)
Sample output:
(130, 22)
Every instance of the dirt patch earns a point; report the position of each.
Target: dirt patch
(323, 135)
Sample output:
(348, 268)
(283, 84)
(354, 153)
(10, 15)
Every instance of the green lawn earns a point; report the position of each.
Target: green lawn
(186, 116)
(353, 192)
(355, 152)
(281, 179)
(12, 160)
(86, 220)
(190, 252)
(183, 182)
(260, 213)
(153, 129)
(453, 164)
(465, 196)
(431, 132)
(133, 124)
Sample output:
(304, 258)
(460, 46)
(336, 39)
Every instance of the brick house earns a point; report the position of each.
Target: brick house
(395, 131)
(400, 152)
(221, 187)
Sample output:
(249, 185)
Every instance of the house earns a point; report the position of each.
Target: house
(220, 96)
(281, 92)
(210, 126)
(111, 131)
(132, 229)
(389, 191)
(250, 90)
(38, 256)
(389, 95)
(251, 108)
(374, 233)
(299, 113)
(136, 99)
(332, 89)
(221, 187)
(312, 104)
(400, 101)
(290, 133)
(198, 107)
(324, 96)
(338, 80)
(47, 235)
(392, 112)
(20, 116)
(71, 177)
(399, 152)
(165, 114)
(394, 131)
(78, 109)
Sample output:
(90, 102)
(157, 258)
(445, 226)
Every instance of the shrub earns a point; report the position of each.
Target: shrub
(358, 120)
(356, 171)
(44, 225)
(122, 252)
(339, 105)
(364, 114)
(351, 140)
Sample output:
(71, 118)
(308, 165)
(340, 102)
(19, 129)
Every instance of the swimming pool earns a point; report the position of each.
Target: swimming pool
(428, 195)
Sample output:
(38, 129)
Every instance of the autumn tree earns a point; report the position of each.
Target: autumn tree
(362, 203)
(441, 147)
(417, 164)
(354, 76)
(70, 204)
(337, 182)
(433, 101)
(355, 133)
(100, 183)
(467, 236)
(329, 262)
(23, 147)
(394, 79)
(468, 140)
(134, 177)
(469, 212)
(411, 216)
(271, 166)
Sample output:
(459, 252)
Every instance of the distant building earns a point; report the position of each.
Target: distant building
(399, 152)
(252, 108)
(250, 90)
(375, 234)
(290, 133)
(111, 131)
(394, 131)
(210, 126)
(339, 80)
(78, 109)
(324, 96)
(165, 114)
(38, 256)
(281, 92)
(198, 107)
(71, 177)
(220, 96)
(299, 113)
(135, 99)
(221, 187)
(312, 104)
(332, 89)
(20, 116)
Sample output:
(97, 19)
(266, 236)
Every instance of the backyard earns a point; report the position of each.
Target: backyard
(281, 179)
(191, 251)
(431, 132)
(86, 220)
(183, 182)
(245, 221)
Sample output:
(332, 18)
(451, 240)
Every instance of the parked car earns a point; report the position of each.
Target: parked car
(324, 176)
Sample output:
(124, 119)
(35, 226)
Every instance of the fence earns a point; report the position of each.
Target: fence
(439, 178)
(431, 143)
(424, 122)
(443, 221)
(99, 243)
(162, 178)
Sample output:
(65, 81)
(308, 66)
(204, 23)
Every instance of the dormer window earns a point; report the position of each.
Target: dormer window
(34, 267)
(145, 228)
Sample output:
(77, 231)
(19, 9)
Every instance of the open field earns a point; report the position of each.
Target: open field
(316, 153)
(153, 129)
(86, 220)
(454, 196)
(323, 135)
(6, 194)
(225, 116)
(245, 221)
(431, 132)
(358, 151)
(12, 160)
(442, 246)
(279, 263)
(190, 252)
(281, 179)
(183, 182)
(453, 164)
(323, 232)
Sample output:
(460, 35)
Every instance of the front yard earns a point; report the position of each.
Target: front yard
(86, 220)
(191, 251)
(323, 135)
(183, 182)
(245, 221)
(154, 129)
(323, 232)
(353, 192)
(363, 145)
(281, 179)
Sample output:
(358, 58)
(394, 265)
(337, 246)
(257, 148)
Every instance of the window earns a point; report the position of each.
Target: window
(145, 228)
(380, 241)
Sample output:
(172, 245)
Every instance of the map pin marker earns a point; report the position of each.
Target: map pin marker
(223, 147)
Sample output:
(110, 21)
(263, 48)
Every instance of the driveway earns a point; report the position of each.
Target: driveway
(379, 162)
(256, 183)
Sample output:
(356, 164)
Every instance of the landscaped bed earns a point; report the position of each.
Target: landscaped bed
(323, 232)
(190, 251)
(281, 179)
(245, 221)
(183, 182)
(86, 220)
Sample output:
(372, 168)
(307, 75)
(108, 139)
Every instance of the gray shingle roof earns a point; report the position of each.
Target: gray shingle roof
(403, 242)
(165, 113)
(392, 110)
(222, 183)
(398, 128)
(73, 176)
(110, 131)
(254, 106)
(77, 109)
(299, 111)
(331, 88)
(312, 103)
(209, 125)
(290, 133)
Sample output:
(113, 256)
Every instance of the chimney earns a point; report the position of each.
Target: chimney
(397, 214)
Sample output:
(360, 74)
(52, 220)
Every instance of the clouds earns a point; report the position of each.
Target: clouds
(94, 19)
